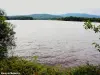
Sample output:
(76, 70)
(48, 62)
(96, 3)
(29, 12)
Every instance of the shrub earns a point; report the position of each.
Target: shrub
(6, 35)
(25, 67)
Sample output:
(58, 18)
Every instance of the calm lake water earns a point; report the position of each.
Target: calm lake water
(56, 42)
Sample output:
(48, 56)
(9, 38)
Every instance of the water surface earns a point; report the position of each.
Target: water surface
(56, 42)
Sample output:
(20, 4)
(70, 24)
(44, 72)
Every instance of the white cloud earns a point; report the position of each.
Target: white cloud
(13, 7)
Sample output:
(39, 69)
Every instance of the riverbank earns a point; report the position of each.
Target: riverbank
(24, 67)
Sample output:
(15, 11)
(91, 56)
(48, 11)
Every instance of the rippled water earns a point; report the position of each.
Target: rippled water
(56, 42)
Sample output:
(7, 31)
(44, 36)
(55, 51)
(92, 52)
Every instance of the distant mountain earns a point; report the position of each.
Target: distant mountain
(49, 16)
(44, 16)
(80, 15)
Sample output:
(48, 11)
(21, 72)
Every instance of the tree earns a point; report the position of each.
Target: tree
(6, 35)
(96, 29)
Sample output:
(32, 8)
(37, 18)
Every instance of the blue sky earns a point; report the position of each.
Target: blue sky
(21, 7)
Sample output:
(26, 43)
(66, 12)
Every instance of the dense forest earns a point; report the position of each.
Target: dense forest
(71, 18)
(19, 18)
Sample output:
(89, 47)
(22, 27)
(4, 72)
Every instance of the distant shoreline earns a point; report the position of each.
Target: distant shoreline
(71, 18)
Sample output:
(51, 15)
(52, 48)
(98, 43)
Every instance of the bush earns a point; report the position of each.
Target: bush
(24, 67)
(6, 35)
(86, 70)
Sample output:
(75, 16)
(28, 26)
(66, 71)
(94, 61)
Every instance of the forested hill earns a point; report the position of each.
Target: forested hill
(45, 16)
(34, 17)
(80, 15)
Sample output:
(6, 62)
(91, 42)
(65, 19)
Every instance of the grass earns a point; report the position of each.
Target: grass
(25, 67)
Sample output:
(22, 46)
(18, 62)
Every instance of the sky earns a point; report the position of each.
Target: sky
(22, 7)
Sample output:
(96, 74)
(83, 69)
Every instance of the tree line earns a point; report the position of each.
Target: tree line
(19, 18)
(71, 18)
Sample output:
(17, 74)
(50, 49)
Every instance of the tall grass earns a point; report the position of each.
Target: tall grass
(25, 67)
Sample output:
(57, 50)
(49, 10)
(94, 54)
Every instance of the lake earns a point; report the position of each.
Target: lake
(55, 42)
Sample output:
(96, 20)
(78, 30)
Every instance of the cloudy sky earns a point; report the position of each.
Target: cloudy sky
(20, 7)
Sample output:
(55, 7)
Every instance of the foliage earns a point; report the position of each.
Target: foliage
(6, 35)
(71, 18)
(19, 18)
(86, 70)
(15, 64)
(24, 67)
(96, 29)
